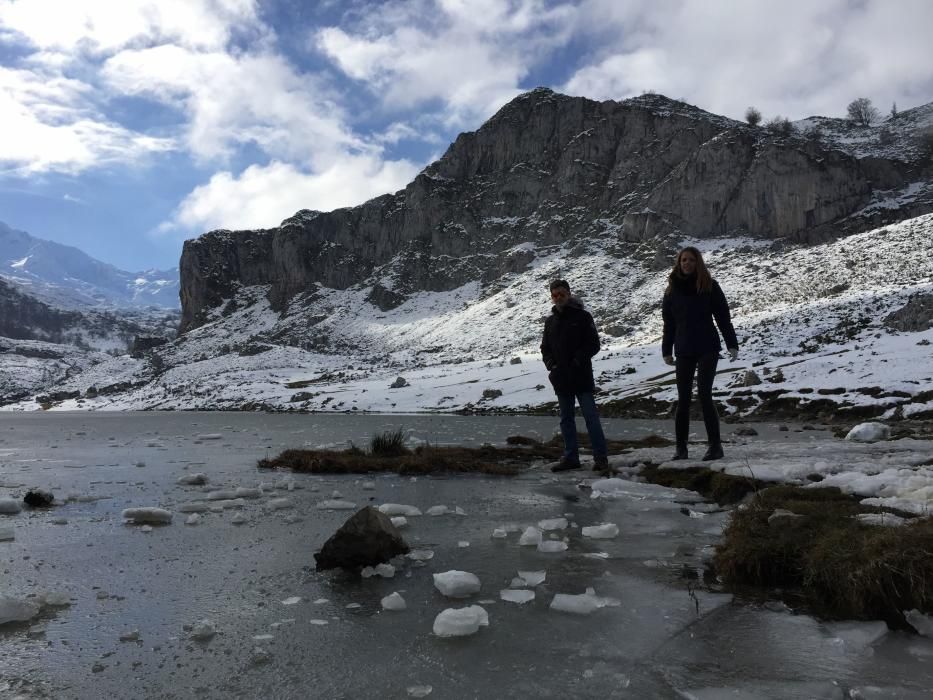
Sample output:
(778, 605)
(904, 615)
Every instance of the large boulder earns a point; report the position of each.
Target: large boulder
(366, 539)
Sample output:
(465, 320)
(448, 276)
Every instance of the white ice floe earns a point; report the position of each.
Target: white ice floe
(419, 691)
(131, 636)
(438, 510)
(193, 507)
(369, 485)
(202, 630)
(239, 519)
(460, 622)
(281, 503)
(196, 479)
(463, 544)
(582, 604)
(16, 609)
(393, 601)
(606, 531)
(459, 511)
(7, 533)
(294, 600)
(399, 521)
(530, 537)
(336, 504)
(869, 432)
(54, 599)
(421, 554)
(532, 578)
(553, 524)
(10, 506)
(221, 495)
(246, 492)
(193, 519)
(391, 509)
(552, 546)
(383, 570)
(318, 621)
(882, 519)
(499, 534)
(456, 584)
(920, 622)
(519, 595)
(159, 516)
(856, 636)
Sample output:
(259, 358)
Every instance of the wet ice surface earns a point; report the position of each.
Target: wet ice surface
(220, 610)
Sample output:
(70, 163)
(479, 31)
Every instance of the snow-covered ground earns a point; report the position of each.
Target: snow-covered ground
(810, 321)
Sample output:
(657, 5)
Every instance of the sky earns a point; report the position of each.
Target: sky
(127, 128)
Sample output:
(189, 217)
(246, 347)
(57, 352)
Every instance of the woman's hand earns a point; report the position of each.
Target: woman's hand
(733, 354)
(669, 360)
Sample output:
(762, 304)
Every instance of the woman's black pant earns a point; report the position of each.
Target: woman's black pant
(704, 367)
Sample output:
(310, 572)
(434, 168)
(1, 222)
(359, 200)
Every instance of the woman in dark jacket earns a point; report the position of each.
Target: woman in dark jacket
(691, 301)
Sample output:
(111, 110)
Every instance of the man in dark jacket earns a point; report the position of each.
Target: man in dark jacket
(570, 341)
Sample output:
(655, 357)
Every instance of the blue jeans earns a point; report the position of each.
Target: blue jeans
(568, 425)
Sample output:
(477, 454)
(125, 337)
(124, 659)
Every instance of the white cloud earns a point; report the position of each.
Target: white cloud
(48, 126)
(262, 196)
(470, 56)
(796, 58)
(103, 26)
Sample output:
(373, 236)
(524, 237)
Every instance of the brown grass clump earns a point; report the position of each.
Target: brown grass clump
(844, 568)
(722, 488)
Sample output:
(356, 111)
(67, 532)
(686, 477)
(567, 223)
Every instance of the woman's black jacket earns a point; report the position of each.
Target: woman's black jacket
(688, 319)
(570, 340)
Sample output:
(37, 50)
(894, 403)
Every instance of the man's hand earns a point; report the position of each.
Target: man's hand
(733, 354)
(669, 360)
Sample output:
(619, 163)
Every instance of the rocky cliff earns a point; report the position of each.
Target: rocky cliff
(549, 168)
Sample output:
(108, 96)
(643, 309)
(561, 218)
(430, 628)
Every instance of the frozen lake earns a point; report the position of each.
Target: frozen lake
(660, 636)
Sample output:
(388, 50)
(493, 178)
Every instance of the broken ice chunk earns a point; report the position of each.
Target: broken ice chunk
(369, 485)
(244, 492)
(421, 554)
(582, 604)
(294, 600)
(438, 510)
(399, 521)
(317, 621)
(6, 533)
(419, 691)
(193, 519)
(920, 622)
(221, 495)
(16, 609)
(193, 507)
(499, 534)
(456, 584)
(869, 432)
(551, 546)
(336, 504)
(532, 578)
(238, 519)
(530, 537)
(55, 599)
(393, 601)
(605, 531)
(131, 636)
(519, 596)
(459, 511)
(391, 509)
(553, 524)
(463, 544)
(10, 506)
(383, 570)
(460, 622)
(196, 479)
(210, 436)
(147, 515)
(203, 630)
(281, 503)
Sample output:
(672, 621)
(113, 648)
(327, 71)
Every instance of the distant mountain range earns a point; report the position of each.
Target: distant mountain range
(68, 278)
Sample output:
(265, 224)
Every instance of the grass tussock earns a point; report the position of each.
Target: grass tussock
(725, 489)
(844, 568)
(389, 444)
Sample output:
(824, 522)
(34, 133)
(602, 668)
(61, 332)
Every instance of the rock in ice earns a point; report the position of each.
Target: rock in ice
(391, 509)
(519, 595)
(869, 432)
(551, 546)
(336, 504)
(456, 584)
(159, 516)
(606, 531)
(10, 506)
(16, 609)
(530, 537)
(553, 524)
(393, 601)
(460, 622)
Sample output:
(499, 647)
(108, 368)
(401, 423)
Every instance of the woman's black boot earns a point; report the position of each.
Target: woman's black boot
(714, 452)
(680, 453)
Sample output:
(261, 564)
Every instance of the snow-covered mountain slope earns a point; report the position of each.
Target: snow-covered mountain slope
(811, 323)
(67, 278)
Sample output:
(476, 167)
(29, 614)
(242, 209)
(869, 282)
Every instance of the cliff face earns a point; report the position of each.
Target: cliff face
(548, 168)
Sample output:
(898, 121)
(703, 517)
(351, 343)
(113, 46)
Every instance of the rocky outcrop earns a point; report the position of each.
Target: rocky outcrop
(915, 315)
(547, 168)
(366, 539)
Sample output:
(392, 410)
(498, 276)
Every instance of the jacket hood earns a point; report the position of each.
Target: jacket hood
(572, 303)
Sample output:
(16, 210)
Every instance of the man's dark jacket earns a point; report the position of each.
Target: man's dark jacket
(570, 340)
(688, 319)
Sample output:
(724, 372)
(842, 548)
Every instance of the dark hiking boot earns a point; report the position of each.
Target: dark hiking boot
(679, 453)
(714, 452)
(601, 465)
(566, 465)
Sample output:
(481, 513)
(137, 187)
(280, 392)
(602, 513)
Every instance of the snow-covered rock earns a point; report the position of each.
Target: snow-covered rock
(869, 432)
